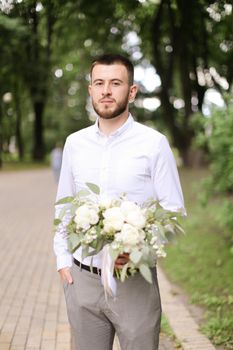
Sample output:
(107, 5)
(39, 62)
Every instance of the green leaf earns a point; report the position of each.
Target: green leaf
(56, 222)
(71, 229)
(100, 244)
(145, 272)
(94, 188)
(135, 256)
(85, 251)
(64, 200)
(113, 253)
(97, 245)
(159, 214)
(62, 212)
(83, 193)
(161, 229)
(92, 253)
(73, 209)
(74, 242)
(179, 228)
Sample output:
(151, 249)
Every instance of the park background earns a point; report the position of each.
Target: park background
(183, 56)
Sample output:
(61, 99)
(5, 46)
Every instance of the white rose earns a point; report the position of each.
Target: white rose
(130, 237)
(133, 214)
(94, 214)
(86, 216)
(136, 219)
(113, 219)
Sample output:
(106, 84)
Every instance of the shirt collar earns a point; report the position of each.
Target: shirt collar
(127, 124)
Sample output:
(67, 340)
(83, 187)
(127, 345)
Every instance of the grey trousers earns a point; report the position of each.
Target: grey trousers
(134, 314)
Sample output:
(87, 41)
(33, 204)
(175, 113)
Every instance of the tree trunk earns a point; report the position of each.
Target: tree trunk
(18, 131)
(38, 151)
(1, 136)
(179, 59)
(41, 59)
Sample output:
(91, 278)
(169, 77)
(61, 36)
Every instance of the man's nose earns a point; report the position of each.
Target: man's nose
(106, 89)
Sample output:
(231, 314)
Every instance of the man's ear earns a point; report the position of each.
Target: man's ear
(133, 92)
(89, 89)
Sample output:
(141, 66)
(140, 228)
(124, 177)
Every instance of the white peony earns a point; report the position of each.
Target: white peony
(85, 216)
(113, 219)
(133, 214)
(130, 237)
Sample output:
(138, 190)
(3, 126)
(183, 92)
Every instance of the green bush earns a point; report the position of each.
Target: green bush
(217, 138)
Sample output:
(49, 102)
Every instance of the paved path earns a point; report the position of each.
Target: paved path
(32, 308)
(182, 323)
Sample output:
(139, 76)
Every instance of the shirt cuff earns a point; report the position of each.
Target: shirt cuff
(64, 261)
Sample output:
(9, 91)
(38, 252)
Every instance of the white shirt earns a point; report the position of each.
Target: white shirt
(135, 159)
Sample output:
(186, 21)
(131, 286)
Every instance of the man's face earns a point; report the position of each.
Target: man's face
(110, 90)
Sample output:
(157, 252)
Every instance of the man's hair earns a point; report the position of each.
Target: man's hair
(109, 59)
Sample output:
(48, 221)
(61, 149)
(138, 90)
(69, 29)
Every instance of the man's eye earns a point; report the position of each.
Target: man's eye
(99, 83)
(116, 83)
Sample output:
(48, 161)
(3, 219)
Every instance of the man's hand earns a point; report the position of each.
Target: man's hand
(66, 275)
(121, 260)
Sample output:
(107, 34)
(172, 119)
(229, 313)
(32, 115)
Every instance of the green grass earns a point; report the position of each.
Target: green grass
(202, 262)
(166, 329)
(25, 165)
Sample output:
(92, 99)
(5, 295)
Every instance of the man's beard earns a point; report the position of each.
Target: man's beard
(107, 113)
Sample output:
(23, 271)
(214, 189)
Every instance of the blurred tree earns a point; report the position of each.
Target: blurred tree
(49, 37)
(177, 37)
(75, 45)
(39, 20)
(1, 135)
(11, 39)
(216, 136)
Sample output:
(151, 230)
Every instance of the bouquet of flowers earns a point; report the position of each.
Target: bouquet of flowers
(118, 226)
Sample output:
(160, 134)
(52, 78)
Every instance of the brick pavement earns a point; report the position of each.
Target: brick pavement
(32, 307)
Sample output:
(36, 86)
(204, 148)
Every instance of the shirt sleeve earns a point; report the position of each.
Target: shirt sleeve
(166, 178)
(65, 188)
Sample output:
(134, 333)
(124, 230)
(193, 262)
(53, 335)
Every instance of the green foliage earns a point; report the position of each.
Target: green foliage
(201, 261)
(146, 272)
(65, 200)
(217, 138)
(37, 39)
(218, 329)
(74, 241)
(226, 219)
(11, 163)
(136, 256)
(166, 328)
(94, 188)
(56, 222)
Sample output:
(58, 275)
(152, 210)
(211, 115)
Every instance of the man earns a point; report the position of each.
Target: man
(120, 156)
(56, 160)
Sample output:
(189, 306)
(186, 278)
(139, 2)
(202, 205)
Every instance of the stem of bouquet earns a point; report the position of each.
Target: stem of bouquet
(117, 273)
